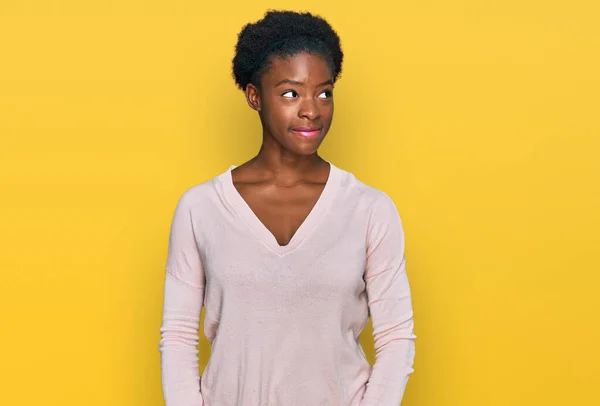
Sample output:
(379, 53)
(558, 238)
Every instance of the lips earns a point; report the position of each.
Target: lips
(307, 132)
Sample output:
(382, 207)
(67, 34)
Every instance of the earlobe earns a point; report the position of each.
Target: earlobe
(253, 97)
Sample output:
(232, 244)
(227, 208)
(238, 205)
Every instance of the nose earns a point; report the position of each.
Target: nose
(309, 109)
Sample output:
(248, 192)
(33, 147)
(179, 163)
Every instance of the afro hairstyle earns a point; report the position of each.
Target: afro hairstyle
(283, 34)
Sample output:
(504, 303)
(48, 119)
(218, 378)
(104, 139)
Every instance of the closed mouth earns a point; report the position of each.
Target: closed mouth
(307, 132)
(306, 129)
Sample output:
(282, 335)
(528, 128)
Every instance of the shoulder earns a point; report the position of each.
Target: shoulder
(373, 199)
(199, 194)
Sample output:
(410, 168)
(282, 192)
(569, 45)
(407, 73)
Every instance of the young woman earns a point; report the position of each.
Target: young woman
(288, 253)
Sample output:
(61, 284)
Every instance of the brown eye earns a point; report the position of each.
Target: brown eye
(288, 92)
(327, 94)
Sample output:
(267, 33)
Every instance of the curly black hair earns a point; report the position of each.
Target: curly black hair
(283, 34)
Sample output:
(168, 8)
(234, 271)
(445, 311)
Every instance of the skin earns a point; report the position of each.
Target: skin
(282, 183)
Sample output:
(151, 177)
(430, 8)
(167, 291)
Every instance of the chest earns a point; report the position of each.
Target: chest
(325, 260)
(327, 267)
(281, 210)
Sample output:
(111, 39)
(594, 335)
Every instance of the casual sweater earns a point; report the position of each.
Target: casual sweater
(284, 321)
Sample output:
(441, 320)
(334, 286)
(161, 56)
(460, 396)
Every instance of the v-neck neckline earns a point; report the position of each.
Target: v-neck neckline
(261, 231)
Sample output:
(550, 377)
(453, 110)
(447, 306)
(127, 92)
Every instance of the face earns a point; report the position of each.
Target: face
(295, 103)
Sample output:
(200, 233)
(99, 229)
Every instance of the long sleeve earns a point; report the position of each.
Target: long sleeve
(390, 307)
(183, 297)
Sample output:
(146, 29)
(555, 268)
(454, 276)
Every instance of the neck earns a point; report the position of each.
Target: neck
(278, 161)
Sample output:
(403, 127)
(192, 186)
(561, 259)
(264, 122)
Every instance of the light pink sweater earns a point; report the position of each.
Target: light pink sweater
(284, 321)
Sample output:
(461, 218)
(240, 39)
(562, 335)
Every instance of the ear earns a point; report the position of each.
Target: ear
(253, 97)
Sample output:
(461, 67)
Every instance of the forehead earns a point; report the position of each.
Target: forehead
(304, 67)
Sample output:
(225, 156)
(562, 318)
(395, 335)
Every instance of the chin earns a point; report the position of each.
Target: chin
(306, 149)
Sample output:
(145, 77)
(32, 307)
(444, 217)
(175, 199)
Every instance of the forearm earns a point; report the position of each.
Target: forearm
(178, 344)
(389, 376)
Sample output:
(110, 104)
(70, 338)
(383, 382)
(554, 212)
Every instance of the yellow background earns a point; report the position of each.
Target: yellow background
(479, 118)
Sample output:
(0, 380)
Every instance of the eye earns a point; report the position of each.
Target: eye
(290, 92)
(327, 93)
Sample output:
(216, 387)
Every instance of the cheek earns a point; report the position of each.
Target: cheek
(327, 114)
(328, 110)
(279, 115)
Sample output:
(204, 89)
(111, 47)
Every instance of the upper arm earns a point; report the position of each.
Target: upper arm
(388, 290)
(183, 258)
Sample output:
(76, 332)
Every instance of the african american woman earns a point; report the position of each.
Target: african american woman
(289, 254)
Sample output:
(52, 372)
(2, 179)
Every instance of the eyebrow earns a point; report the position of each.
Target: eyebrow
(295, 82)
